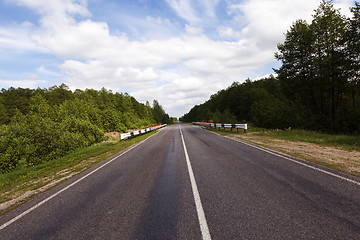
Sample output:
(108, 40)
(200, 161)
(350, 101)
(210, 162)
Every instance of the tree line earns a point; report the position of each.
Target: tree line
(317, 87)
(38, 125)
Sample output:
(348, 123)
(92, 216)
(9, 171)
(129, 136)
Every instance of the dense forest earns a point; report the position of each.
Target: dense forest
(42, 124)
(317, 86)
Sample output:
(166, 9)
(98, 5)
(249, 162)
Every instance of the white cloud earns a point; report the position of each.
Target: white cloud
(228, 33)
(27, 83)
(180, 70)
(17, 37)
(192, 30)
(180, 94)
(266, 21)
(344, 6)
(185, 10)
(32, 76)
(86, 39)
(209, 6)
(148, 27)
(43, 70)
(26, 24)
(158, 20)
(117, 63)
(57, 9)
(97, 74)
(197, 12)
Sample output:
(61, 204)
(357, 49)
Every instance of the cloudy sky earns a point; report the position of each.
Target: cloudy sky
(176, 51)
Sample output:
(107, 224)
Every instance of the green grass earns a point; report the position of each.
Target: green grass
(57, 164)
(226, 131)
(266, 138)
(343, 141)
(24, 179)
(346, 142)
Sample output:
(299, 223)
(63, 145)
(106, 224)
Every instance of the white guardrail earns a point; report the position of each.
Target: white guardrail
(223, 125)
(138, 132)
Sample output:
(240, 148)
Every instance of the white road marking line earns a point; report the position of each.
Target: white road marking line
(200, 211)
(301, 163)
(69, 186)
(292, 160)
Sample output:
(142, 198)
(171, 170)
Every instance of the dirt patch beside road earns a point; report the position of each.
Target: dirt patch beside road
(112, 136)
(343, 160)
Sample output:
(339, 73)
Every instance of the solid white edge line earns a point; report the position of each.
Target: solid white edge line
(69, 186)
(290, 159)
(298, 162)
(200, 211)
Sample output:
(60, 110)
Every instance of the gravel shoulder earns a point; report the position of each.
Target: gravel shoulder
(340, 159)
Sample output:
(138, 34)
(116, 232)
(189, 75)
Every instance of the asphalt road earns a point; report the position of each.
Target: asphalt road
(188, 183)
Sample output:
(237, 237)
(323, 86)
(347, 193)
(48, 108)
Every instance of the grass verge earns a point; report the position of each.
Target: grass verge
(340, 152)
(23, 184)
(345, 142)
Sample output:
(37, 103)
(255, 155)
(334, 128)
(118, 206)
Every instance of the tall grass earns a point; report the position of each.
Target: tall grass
(346, 142)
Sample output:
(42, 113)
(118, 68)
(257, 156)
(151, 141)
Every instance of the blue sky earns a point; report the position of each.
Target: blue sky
(176, 51)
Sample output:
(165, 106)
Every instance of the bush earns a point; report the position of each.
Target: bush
(42, 124)
(37, 140)
(90, 132)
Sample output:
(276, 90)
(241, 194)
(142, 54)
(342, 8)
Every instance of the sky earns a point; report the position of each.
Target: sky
(178, 52)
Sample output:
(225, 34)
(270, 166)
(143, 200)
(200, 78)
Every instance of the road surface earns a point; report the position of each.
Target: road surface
(188, 183)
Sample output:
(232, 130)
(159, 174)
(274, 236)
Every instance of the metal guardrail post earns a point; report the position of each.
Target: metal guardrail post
(139, 132)
(220, 125)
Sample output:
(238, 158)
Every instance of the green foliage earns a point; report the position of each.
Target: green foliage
(37, 126)
(317, 86)
(224, 117)
(4, 118)
(260, 102)
(320, 68)
(268, 113)
(112, 121)
(159, 114)
(15, 100)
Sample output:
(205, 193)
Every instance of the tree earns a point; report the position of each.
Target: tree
(58, 94)
(159, 113)
(17, 99)
(317, 86)
(4, 118)
(296, 74)
(315, 63)
(39, 106)
(329, 28)
(112, 121)
(353, 53)
(39, 125)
